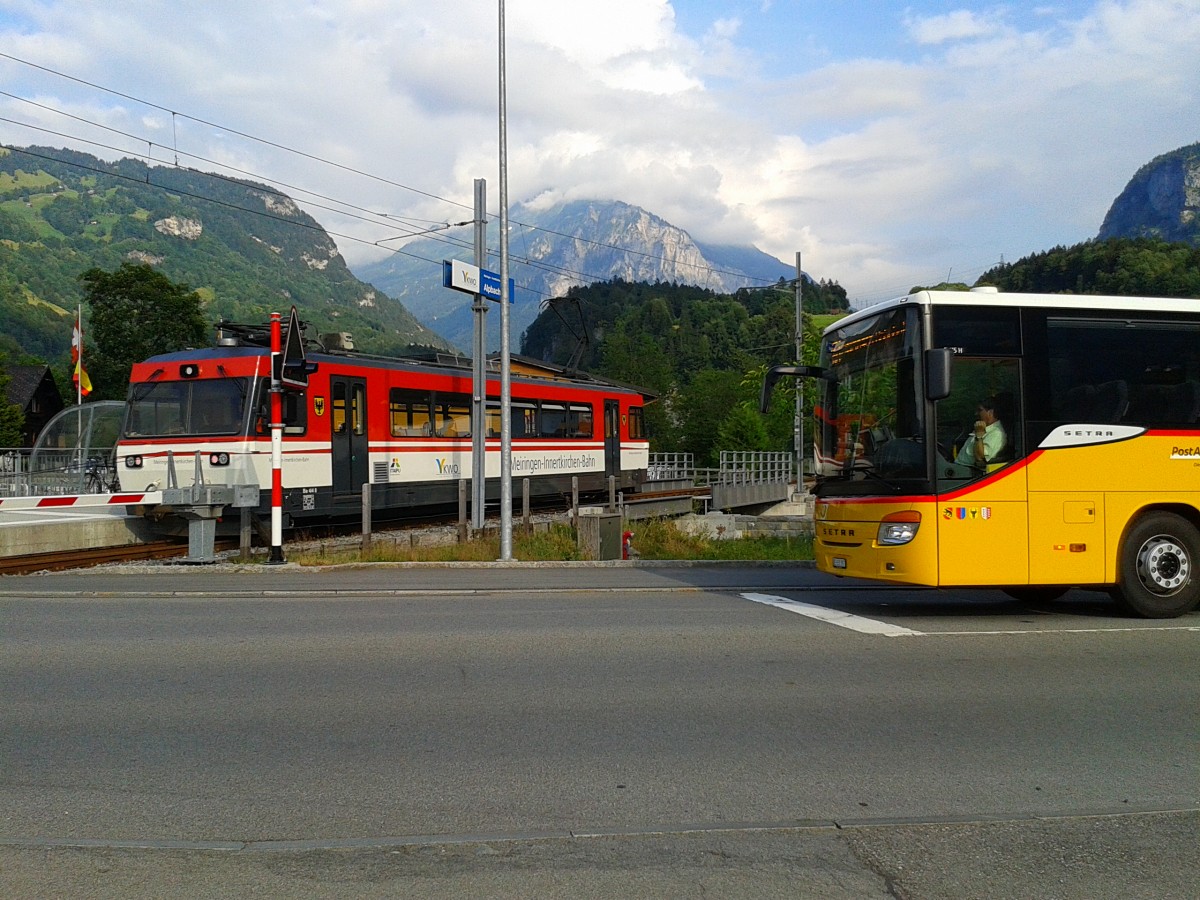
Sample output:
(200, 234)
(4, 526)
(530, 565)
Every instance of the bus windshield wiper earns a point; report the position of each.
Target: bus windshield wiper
(869, 472)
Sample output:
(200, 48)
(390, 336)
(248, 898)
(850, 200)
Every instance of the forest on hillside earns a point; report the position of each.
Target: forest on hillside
(704, 354)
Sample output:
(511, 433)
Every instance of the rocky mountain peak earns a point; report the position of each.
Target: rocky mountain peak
(1162, 200)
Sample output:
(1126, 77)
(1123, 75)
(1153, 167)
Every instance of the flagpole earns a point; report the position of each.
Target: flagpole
(79, 388)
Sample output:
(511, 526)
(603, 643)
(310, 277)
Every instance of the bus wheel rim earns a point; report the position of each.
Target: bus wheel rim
(1163, 565)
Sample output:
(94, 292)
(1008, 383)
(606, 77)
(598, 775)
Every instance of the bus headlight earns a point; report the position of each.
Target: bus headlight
(218, 459)
(898, 528)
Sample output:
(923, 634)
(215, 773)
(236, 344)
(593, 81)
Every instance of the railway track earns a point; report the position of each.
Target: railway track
(87, 557)
(58, 560)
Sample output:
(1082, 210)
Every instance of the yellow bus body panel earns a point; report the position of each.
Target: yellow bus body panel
(845, 541)
(1056, 517)
(1081, 500)
(983, 531)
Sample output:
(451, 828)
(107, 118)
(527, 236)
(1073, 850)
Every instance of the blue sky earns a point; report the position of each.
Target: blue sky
(891, 143)
(801, 35)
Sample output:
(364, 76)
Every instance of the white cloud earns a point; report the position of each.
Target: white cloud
(885, 169)
(962, 24)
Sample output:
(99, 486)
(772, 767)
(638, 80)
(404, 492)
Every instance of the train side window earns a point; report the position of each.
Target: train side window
(410, 413)
(637, 424)
(553, 420)
(453, 415)
(524, 418)
(580, 421)
(493, 417)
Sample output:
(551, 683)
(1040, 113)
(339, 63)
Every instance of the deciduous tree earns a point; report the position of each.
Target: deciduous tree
(136, 312)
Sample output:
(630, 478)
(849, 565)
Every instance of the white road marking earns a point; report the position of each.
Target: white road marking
(833, 616)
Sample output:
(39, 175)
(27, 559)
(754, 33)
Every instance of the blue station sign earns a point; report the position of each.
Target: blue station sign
(471, 279)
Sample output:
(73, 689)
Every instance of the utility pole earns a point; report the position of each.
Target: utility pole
(479, 369)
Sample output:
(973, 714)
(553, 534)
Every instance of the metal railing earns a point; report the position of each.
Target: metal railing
(87, 470)
(756, 467)
(737, 467)
(671, 467)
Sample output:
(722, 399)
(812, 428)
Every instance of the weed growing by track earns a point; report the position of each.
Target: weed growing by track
(654, 539)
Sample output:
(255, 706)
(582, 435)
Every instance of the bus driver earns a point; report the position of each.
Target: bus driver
(988, 439)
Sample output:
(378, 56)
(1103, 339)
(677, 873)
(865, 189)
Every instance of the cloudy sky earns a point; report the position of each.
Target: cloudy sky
(891, 143)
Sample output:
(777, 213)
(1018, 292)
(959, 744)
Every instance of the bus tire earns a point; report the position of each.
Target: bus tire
(1156, 576)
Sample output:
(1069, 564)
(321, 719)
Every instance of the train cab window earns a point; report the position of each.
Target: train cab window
(156, 408)
(295, 413)
(295, 410)
(411, 413)
(216, 406)
(637, 424)
(453, 415)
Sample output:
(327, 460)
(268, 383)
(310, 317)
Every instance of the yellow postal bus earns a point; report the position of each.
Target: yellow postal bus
(1027, 442)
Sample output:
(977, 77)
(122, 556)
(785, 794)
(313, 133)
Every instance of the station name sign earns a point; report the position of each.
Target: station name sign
(471, 279)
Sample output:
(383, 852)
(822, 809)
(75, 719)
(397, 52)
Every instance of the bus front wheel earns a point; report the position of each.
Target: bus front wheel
(1155, 575)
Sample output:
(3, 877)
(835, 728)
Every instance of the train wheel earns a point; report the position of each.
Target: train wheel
(1156, 576)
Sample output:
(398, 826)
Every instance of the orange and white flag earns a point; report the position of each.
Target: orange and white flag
(83, 384)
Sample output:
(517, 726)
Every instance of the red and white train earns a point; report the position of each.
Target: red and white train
(401, 425)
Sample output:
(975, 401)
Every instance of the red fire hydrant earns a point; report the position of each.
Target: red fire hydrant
(627, 545)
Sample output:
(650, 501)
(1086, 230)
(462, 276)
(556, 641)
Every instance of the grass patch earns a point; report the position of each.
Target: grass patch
(654, 539)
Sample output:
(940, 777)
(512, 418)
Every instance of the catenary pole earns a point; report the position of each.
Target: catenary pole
(479, 369)
(506, 522)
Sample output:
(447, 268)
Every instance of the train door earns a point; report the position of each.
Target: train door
(348, 424)
(612, 438)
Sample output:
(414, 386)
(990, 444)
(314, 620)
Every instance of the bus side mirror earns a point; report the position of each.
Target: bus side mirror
(937, 373)
(777, 372)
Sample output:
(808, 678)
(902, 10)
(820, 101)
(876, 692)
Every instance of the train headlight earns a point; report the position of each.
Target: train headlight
(898, 528)
(133, 462)
(218, 459)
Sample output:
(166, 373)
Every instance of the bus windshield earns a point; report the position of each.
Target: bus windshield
(870, 417)
(186, 407)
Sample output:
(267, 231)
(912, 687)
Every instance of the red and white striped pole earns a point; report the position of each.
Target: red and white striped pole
(276, 555)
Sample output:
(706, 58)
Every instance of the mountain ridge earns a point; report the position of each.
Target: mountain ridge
(554, 248)
(1161, 200)
(245, 247)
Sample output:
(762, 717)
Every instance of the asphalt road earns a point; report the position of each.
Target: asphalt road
(603, 731)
